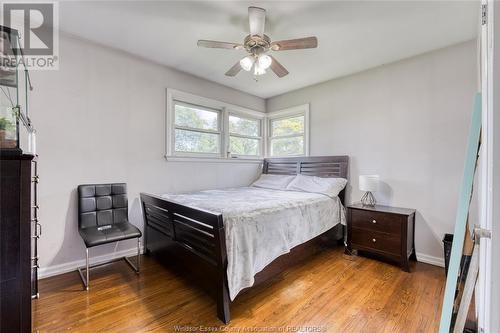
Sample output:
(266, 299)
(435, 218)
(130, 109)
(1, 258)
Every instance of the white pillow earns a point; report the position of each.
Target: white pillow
(327, 186)
(274, 182)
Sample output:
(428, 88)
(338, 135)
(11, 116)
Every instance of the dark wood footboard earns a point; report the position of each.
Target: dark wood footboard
(197, 239)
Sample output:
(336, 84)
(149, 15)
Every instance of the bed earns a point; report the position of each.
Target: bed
(233, 239)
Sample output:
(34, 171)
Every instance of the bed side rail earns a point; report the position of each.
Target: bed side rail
(198, 231)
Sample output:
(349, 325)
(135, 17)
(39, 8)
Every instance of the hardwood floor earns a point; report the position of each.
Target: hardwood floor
(330, 293)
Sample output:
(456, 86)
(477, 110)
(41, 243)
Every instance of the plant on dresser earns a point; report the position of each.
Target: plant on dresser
(386, 231)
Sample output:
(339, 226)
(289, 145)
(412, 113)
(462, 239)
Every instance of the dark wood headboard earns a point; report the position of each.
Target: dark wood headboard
(321, 166)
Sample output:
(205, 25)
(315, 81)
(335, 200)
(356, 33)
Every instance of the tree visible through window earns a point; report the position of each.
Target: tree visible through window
(197, 129)
(201, 127)
(287, 136)
(244, 136)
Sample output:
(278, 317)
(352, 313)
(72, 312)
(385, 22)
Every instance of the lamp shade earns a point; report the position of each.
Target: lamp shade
(265, 61)
(368, 183)
(247, 63)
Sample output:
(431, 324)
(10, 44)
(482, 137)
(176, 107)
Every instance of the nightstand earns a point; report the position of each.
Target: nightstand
(382, 230)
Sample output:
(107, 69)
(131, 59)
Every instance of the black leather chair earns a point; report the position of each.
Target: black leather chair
(103, 219)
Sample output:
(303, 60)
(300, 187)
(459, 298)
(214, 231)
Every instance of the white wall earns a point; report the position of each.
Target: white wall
(406, 121)
(101, 118)
(495, 239)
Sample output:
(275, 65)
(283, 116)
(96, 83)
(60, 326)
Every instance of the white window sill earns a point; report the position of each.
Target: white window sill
(213, 159)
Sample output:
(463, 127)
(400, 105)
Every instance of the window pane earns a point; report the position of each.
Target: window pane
(196, 142)
(287, 126)
(244, 126)
(190, 116)
(244, 146)
(287, 146)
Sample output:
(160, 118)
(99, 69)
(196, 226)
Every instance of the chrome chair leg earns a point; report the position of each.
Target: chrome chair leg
(138, 255)
(136, 267)
(85, 279)
(87, 267)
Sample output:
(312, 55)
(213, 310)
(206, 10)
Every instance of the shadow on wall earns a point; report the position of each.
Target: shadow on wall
(350, 175)
(422, 227)
(384, 195)
(135, 214)
(72, 243)
(72, 247)
(348, 194)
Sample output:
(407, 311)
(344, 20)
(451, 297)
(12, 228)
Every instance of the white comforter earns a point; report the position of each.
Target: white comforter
(262, 224)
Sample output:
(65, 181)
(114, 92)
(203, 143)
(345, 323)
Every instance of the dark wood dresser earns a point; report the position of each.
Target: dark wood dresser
(18, 228)
(385, 231)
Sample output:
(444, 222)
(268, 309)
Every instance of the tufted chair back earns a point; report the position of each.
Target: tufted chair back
(102, 204)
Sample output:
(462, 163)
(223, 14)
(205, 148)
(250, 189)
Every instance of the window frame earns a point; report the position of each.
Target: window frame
(296, 111)
(219, 130)
(225, 109)
(260, 136)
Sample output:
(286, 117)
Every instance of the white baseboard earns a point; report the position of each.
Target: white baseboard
(45, 272)
(425, 258)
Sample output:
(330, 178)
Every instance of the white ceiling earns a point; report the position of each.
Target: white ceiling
(352, 35)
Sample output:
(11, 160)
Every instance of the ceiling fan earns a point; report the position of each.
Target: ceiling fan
(257, 44)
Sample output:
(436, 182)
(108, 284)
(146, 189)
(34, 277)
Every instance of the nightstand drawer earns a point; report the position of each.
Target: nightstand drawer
(375, 221)
(379, 241)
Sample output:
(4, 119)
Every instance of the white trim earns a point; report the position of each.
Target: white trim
(208, 102)
(214, 159)
(483, 294)
(299, 109)
(219, 131)
(286, 113)
(427, 259)
(239, 111)
(45, 272)
(260, 137)
(224, 108)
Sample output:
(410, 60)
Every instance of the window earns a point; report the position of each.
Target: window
(244, 136)
(206, 128)
(197, 129)
(288, 134)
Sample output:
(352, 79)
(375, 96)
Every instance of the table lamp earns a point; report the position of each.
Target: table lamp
(369, 184)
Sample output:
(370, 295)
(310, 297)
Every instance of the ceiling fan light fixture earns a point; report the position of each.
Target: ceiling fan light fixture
(259, 46)
(264, 61)
(247, 63)
(257, 70)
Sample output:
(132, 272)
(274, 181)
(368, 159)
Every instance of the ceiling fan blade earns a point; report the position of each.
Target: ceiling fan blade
(219, 45)
(257, 20)
(278, 68)
(234, 70)
(295, 44)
